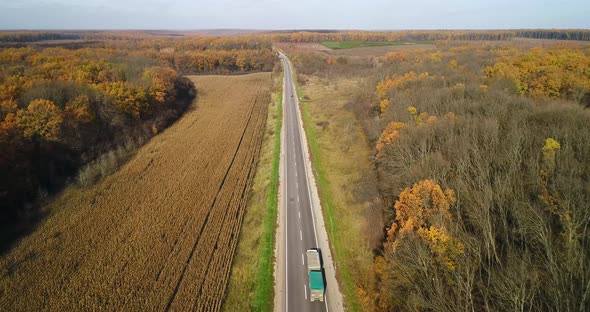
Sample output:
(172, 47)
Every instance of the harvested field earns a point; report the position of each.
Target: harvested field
(336, 45)
(380, 51)
(363, 52)
(160, 233)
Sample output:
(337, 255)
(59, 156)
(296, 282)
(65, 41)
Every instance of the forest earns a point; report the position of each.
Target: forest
(72, 115)
(481, 160)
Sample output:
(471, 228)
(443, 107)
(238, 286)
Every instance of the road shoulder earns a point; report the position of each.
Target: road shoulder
(333, 294)
(279, 267)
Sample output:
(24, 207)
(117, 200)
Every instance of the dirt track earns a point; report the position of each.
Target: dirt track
(160, 233)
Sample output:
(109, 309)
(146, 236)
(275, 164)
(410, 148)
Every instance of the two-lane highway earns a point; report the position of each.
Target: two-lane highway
(301, 223)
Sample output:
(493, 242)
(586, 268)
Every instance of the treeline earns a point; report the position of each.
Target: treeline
(72, 115)
(218, 55)
(429, 35)
(31, 36)
(407, 35)
(557, 34)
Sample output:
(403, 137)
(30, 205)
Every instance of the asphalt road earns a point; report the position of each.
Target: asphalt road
(299, 226)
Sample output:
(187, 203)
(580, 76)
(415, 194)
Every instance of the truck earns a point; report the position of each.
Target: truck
(316, 275)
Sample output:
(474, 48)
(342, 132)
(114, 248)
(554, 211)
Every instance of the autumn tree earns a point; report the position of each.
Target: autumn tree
(78, 110)
(383, 88)
(128, 98)
(160, 84)
(419, 245)
(388, 136)
(42, 119)
(545, 72)
(424, 210)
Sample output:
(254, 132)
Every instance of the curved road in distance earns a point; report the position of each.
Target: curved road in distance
(301, 224)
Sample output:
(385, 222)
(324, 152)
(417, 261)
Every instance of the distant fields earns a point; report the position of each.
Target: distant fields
(337, 45)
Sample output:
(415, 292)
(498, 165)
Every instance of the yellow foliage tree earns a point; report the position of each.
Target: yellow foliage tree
(383, 105)
(8, 126)
(412, 111)
(41, 118)
(550, 148)
(397, 56)
(548, 196)
(445, 248)
(545, 72)
(78, 110)
(129, 99)
(7, 107)
(453, 64)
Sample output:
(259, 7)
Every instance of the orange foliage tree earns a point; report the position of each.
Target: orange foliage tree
(424, 211)
(160, 84)
(388, 135)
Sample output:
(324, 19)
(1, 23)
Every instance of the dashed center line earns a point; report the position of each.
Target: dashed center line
(300, 235)
(302, 260)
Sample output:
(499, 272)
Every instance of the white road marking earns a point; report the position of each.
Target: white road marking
(297, 184)
(299, 120)
(302, 260)
(289, 88)
(286, 214)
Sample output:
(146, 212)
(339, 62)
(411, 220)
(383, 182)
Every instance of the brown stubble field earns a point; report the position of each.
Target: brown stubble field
(353, 52)
(160, 233)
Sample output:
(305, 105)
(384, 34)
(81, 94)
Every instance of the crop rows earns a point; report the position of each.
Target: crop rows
(159, 234)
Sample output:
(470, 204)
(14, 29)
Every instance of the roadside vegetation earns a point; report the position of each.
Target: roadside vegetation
(480, 155)
(339, 159)
(251, 285)
(335, 45)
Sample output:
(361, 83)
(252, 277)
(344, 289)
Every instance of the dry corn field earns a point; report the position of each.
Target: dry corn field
(159, 234)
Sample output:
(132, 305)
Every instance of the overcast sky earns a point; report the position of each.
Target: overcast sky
(293, 14)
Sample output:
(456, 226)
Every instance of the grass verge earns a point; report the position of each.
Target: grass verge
(251, 286)
(338, 242)
(336, 45)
